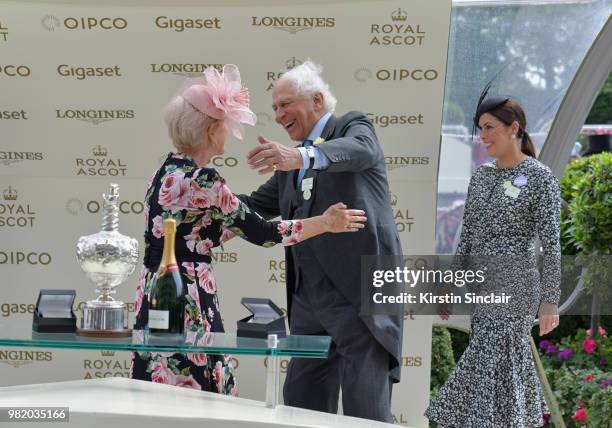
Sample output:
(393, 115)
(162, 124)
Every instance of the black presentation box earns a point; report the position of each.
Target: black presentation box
(266, 318)
(53, 312)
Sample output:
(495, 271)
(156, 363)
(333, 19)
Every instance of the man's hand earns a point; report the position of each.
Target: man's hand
(270, 156)
(549, 317)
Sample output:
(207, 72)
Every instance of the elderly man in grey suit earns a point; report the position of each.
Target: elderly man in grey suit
(338, 159)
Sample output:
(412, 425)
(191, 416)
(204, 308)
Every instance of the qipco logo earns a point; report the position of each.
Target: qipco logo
(24, 258)
(88, 23)
(125, 207)
(15, 71)
(221, 161)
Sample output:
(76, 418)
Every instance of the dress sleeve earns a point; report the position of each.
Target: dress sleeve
(464, 246)
(204, 192)
(547, 218)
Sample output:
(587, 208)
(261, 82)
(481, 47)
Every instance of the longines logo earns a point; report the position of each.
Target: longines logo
(12, 70)
(7, 158)
(365, 74)
(403, 220)
(85, 72)
(76, 206)
(88, 23)
(384, 120)
(22, 258)
(271, 76)
(21, 358)
(3, 33)
(276, 269)
(107, 366)
(224, 257)
(13, 213)
(412, 361)
(13, 115)
(184, 70)
(398, 32)
(394, 162)
(292, 24)
(100, 164)
(181, 24)
(8, 309)
(94, 116)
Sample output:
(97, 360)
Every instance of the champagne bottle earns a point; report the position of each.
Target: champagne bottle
(167, 297)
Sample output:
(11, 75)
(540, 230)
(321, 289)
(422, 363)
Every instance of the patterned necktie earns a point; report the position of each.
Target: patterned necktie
(302, 172)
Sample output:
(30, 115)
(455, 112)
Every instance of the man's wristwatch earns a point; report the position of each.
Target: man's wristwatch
(311, 156)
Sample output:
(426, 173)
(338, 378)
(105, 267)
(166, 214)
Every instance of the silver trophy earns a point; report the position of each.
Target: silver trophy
(107, 258)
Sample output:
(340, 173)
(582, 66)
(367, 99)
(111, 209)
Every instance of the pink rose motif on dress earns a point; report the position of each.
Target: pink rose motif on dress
(158, 226)
(283, 227)
(206, 277)
(161, 373)
(189, 268)
(186, 382)
(297, 227)
(192, 289)
(140, 289)
(201, 197)
(226, 200)
(204, 246)
(174, 192)
(219, 376)
(146, 215)
(226, 235)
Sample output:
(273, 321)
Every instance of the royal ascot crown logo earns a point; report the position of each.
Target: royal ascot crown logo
(385, 120)
(181, 24)
(14, 213)
(394, 162)
(183, 70)
(107, 366)
(83, 23)
(100, 164)
(3, 33)
(293, 24)
(86, 72)
(403, 221)
(8, 157)
(276, 271)
(12, 70)
(399, 31)
(17, 358)
(95, 116)
(364, 74)
(272, 76)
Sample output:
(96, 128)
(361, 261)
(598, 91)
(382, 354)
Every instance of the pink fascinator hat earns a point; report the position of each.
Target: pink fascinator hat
(222, 96)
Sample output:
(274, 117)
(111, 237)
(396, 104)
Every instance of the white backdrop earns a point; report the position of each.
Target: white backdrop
(83, 87)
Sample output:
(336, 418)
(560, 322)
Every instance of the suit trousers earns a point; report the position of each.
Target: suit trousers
(357, 362)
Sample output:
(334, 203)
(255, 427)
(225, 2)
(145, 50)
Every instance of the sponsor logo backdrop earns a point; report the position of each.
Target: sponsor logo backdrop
(83, 88)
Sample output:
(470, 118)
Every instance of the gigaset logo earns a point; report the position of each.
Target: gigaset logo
(181, 24)
(52, 22)
(3, 33)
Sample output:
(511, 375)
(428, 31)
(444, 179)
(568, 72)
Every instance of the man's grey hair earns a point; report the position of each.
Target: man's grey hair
(186, 125)
(307, 80)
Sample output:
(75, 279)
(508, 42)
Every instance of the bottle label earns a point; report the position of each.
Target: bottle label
(159, 319)
(172, 268)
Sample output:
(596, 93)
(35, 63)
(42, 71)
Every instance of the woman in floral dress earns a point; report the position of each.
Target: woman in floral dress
(207, 215)
(509, 203)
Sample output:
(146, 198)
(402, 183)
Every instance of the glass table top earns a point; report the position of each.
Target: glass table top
(211, 343)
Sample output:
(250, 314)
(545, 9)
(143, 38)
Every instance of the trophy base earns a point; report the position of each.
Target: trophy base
(104, 320)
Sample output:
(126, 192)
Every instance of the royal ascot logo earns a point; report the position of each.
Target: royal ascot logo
(364, 74)
(86, 72)
(18, 71)
(24, 258)
(263, 119)
(398, 32)
(403, 221)
(385, 120)
(399, 419)
(3, 33)
(394, 162)
(276, 271)
(76, 206)
(183, 70)
(272, 76)
(87, 23)
(7, 158)
(224, 257)
(293, 24)
(21, 358)
(95, 116)
(100, 164)
(13, 115)
(14, 213)
(107, 366)
(181, 24)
